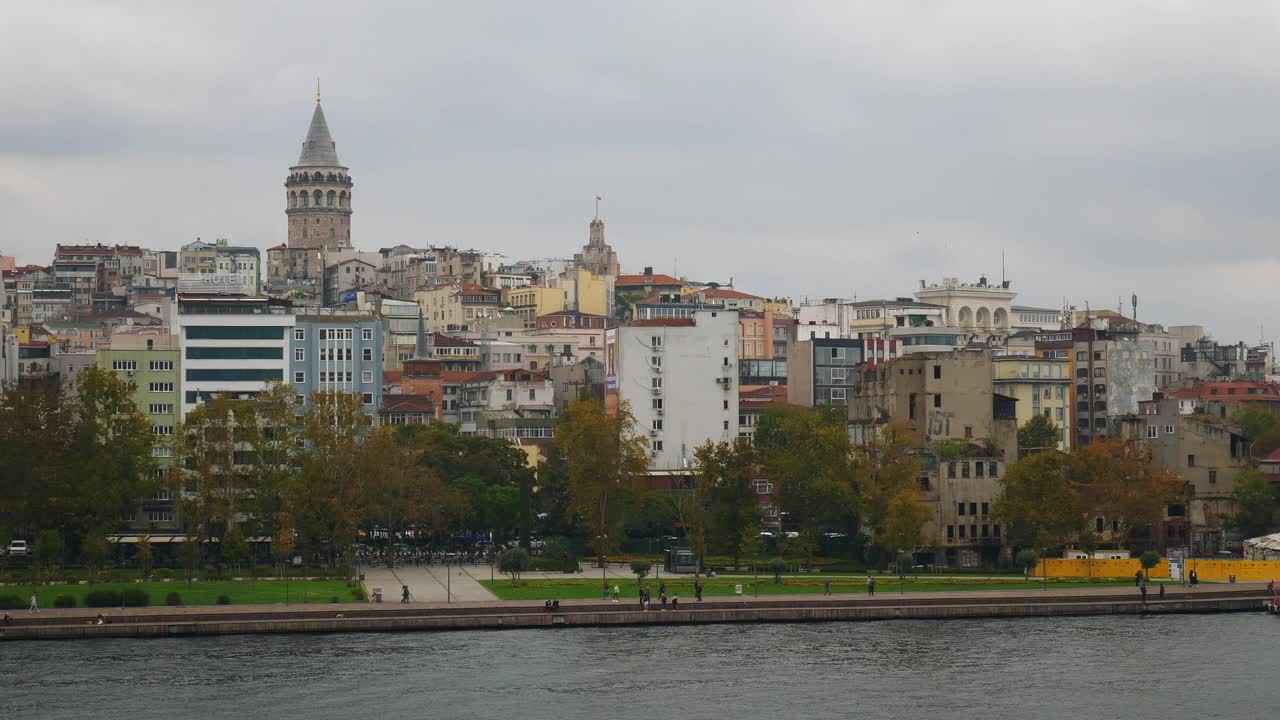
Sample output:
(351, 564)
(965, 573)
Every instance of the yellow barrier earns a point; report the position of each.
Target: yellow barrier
(1207, 570)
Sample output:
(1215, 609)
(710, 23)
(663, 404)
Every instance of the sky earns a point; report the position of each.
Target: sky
(807, 149)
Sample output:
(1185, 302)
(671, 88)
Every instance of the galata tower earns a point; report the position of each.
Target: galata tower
(318, 191)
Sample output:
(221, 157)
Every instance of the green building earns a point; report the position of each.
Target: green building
(149, 358)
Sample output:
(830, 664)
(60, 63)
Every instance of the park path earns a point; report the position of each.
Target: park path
(430, 583)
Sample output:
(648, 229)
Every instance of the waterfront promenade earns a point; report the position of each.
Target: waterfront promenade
(392, 616)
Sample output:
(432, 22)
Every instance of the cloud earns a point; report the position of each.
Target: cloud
(816, 149)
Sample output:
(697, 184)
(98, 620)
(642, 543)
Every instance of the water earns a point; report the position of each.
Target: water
(1166, 667)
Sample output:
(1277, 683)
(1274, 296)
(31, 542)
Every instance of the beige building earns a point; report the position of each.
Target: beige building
(1042, 386)
(530, 302)
(457, 306)
(968, 434)
(597, 257)
(584, 291)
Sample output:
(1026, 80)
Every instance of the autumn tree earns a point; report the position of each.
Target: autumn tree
(325, 500)
(726, 478)
(1116, 478)
(1037, 503)
(404, 491)
(36, 462)
(604, 457)
(888, 471)
(205, 481)
(272, 449)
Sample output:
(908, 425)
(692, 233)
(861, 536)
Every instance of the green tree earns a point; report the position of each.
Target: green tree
(1037, 434)
(1255, 421)
(726, 478)
(513, 562)
(605, 459)
(1148, 560)
(94, 549)
(145, 556)
(206, 483)
(807, 454)
(777, 566)
(49, 548)
(892, 504)
(38, 470)
(1037, 503)
(327, 497)
(1117, 479)
(641, 569)
(112, 445)
(234, 547)
(1256, 503)
(1027, 559)
(1088, 544)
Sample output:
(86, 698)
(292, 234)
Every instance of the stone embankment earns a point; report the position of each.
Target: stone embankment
(887, 605)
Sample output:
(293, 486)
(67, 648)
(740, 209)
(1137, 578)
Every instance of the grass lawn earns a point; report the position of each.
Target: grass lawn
(241, 592)
(570, 588)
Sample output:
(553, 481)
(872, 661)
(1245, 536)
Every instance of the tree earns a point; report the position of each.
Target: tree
(326, 498)
(1037, 434)
(234, 547)
(1027, 559)
(1255, 421)
(1037, 503)
(1149, 559)
(112, 445)
(94, 550)
(1256, 503)
(807, 454)
(605, 458)
(726, 480)
(1116, 478)
(1088, 544)
(513, 562)
(777, 566)
(207, 485)
(892, 504)
(145, 555)
(49, 547)
(36, 423)
(641, 569)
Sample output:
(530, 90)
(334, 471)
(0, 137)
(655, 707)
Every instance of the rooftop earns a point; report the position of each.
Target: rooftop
(655, 279)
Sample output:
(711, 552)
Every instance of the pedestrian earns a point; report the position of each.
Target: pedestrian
(871, 586)
(1271, 587)
(646, 600)
(1162, 591)
(605, 588)
(35, 606)
(8, 619)
(697, 590)
(826, 588)
(662, 598)
(675, 601)
(617, 593)
(1143, 588)
(404, 594)
(662, 588)
(1137, 579)
(641, 598)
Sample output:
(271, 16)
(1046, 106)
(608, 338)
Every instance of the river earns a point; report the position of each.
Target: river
(1165, 667)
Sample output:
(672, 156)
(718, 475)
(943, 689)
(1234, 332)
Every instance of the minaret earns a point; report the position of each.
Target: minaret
(318, 191)
(422, 344)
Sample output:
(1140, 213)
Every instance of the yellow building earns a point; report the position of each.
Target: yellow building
(530, 302)
(23, 333)
(584, 291)
(1042, 386)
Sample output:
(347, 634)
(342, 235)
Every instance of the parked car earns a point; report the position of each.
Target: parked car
(18, 548)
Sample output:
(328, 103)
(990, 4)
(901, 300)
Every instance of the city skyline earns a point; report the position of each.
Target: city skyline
(838, 153)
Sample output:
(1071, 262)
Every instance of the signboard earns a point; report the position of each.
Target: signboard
(217, 283)
(611, 382)
(1055, 337)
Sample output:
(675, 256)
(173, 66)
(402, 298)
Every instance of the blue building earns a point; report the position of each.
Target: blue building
(337, 351)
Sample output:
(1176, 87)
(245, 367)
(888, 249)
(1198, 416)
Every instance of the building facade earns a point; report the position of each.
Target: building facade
(337, 352)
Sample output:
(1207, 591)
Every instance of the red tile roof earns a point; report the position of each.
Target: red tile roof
(407, 403)
(763, 395)
(728, 293)
(281, 246)
(627, 280)
(1244, 390)
(449, 341)
(392, 377)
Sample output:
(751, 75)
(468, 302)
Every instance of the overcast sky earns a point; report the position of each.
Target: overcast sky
(803, 149)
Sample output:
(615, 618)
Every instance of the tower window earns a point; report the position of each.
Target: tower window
(317, 198)
(306, 200)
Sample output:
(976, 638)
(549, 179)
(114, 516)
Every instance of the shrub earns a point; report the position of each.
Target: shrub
(64, 601)
(358, 594)
(162, 574)
(136, 597)
(513, 562)
(224, 600)
(1027, 559)
(1149, 559)
(173, 598)
(777, 566)
(102, 598)
(640, 568)
(11, 602)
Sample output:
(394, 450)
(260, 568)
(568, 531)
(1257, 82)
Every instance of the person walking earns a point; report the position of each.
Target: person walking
(404, 594)
(1142, 587)
(646, 600)
(826, 588)
(675, 601)
(642, 598)
(662, 588)
(871, 585)
(617, 593)
(35, 605)
(697, 590)
(1162, 591)
(1137, 579)
(662, 598)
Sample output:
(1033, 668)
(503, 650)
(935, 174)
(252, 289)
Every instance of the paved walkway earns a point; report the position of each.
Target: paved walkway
(430, 583)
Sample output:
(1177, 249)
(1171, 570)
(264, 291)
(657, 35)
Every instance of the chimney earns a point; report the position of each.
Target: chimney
(648, 275)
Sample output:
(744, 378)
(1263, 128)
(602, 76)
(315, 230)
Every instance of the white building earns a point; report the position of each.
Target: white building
(679, 375)
(979, 307)
(230, 344)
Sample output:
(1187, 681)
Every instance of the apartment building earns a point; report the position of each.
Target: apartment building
(679, 377)
(457, 305)
(530, 302)
(334, 351)
(1041, 386)
(823, 371)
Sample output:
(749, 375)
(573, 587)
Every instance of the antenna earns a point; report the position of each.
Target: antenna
(1002, 277)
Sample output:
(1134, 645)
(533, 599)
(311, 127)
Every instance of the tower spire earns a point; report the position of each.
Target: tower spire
(420, 346)
(317, 90)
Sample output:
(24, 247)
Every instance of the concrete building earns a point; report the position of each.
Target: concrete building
(222, 258)
(231, 344)
(457, 306)
(1041, 386)
(585, 292)
(823, 371)
(631, 288)
(149, 358)
(1114, 372)
(981, 308)
(570, 381)
(752, 402)
(1207, 455)
(68, 366)
(968, 434)
(491, 396)
(680, 380)
(530, 302)
(334, 351)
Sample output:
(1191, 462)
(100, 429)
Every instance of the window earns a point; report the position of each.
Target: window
(161, 451)
(985, 507)
(937, 372)
(978, 469)
(1191, 461)
(657, 424)
(256, 375)
(964, 469)
(656, 383)
(162, 429)
(299, 378)
(161, 365)
(299, 354)
(973, 508)
(368, 398)
(165, 387)
(968, 431)
(962, 532)
(1152, 432)
(1213, 477)
(838, 394)
(160, 409)
(1168, 429)
(995, 531)
(937, 400)
(951, 470)
(960, 509)
(234, 332)
(657, 403)
(367, 354)
(656, 361)
(657, 446)
(159, 516)
(299, 334)
(532, 395)
(726, 404)
(366, 334)
(124, 364)
(366, 377)
(951, 532)
(991, 468)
